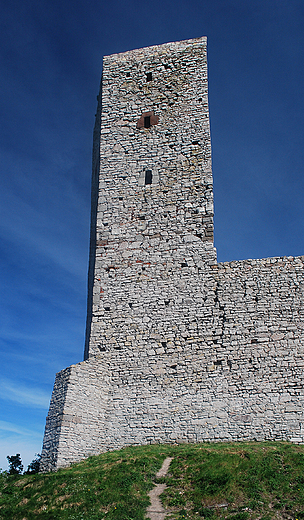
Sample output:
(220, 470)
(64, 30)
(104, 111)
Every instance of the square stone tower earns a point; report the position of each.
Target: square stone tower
(152, 193)
(178, 347)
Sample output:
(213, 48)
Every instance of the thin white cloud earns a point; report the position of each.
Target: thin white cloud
(23, 395)
(14, 428)
(54, 238)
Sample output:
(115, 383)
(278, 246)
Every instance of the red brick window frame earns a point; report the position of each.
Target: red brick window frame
(143, 119)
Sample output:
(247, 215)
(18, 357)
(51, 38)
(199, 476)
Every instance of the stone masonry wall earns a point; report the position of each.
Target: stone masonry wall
(242, 381)
(179, 348)
(147, 233)
(76, 416)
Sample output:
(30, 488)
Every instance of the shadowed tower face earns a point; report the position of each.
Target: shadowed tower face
(154, 198)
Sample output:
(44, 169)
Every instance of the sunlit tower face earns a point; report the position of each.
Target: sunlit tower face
(155, 199)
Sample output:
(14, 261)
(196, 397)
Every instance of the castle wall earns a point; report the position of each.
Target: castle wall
(76, 417)
(243, 380)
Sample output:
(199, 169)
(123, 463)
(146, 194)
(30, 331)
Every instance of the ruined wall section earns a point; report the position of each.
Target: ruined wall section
(243, 380)
(76, 420)
(52, 430)
(261, 304)
(151, 238)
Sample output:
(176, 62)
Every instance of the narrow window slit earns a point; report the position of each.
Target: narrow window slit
(148, 177)
(149, 76)
(147, 121)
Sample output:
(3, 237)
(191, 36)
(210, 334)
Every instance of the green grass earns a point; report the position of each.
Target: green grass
(237, 481)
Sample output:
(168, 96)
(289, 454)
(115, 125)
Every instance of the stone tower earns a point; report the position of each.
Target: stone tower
(155, 203)
(178, 347)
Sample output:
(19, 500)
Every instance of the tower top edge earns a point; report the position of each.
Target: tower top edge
(137, 53)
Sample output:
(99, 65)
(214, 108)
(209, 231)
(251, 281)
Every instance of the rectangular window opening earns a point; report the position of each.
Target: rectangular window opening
(148, 177)
(147, 122)
(149, 76)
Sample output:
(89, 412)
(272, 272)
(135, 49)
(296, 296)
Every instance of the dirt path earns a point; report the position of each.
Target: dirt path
(156, 511)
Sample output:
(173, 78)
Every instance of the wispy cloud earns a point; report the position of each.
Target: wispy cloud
(23, 395)
(50, 234)
(14, 428)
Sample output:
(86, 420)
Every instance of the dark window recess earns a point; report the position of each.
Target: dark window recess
(147, 121)
(173, 366)
(128, 74)
(149, 76)
(142, 217)
(164, 344)
(102, 349)
(130, 305)
(200, 99)
(107, 308)
(218, 362)
(148, 177)
(229, 363)
(167, 302)
(184, 264)
(194, 142)
(120, 198)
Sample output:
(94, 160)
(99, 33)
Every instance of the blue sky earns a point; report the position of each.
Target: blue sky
(51, 55)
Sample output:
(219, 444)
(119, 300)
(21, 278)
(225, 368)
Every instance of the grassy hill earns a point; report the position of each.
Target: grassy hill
(237, 481)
